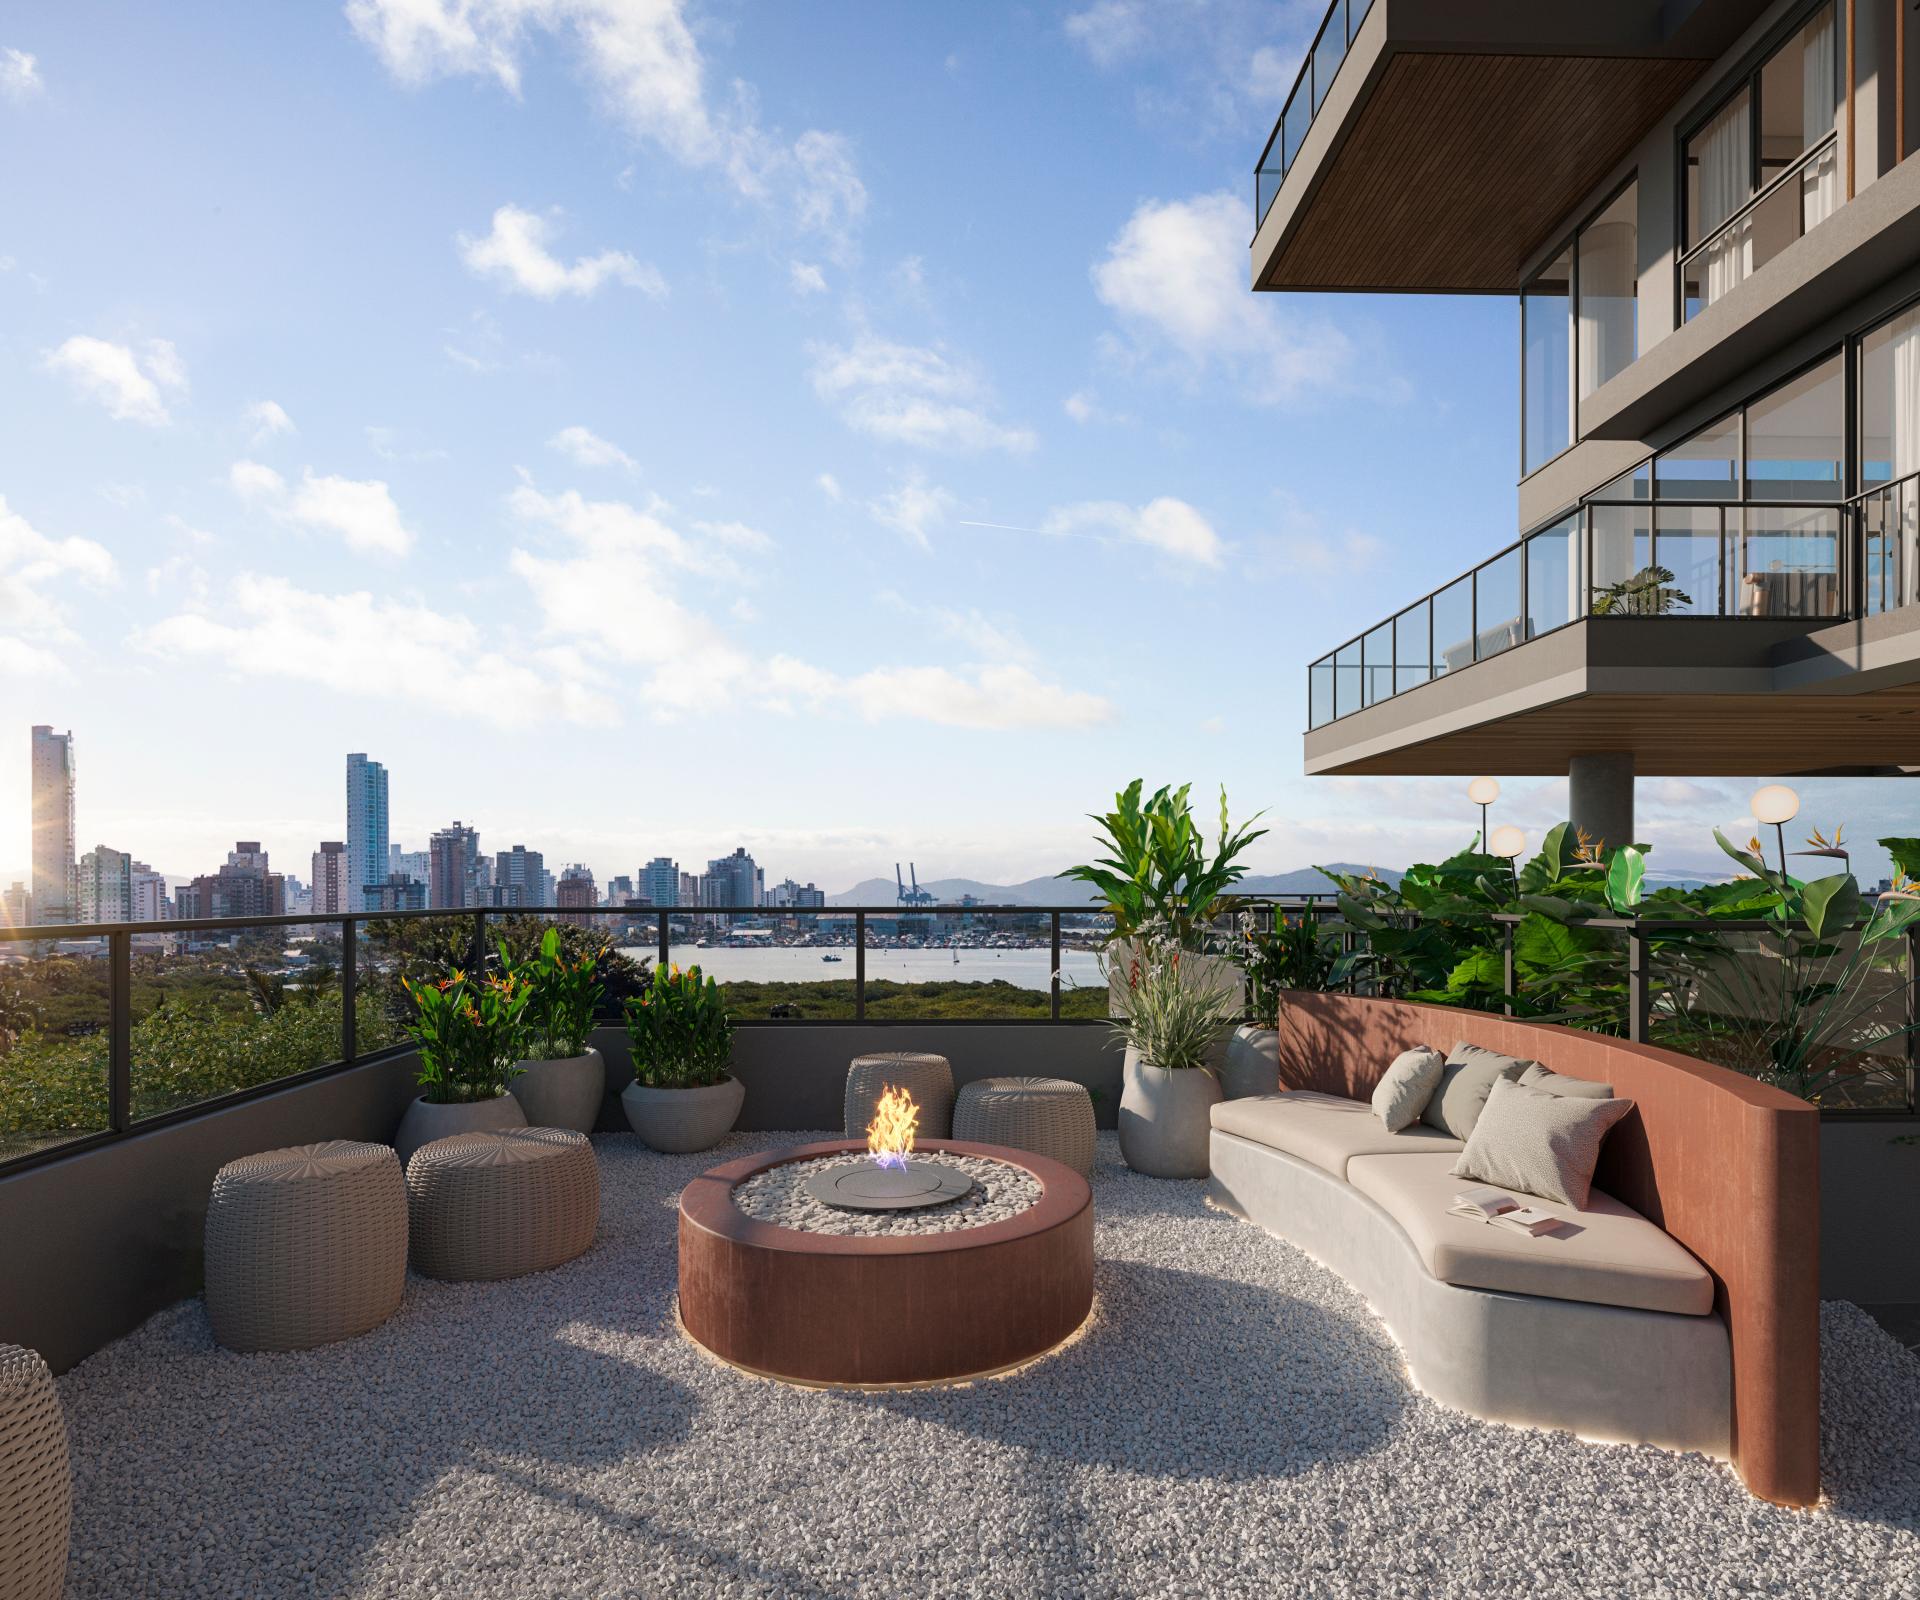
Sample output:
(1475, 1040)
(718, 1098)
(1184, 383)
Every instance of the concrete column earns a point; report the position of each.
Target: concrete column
(1601, 795)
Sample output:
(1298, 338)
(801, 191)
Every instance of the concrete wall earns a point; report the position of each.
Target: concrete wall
(1870, 1212)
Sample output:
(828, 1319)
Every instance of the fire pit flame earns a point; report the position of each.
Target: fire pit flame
(890, 1134)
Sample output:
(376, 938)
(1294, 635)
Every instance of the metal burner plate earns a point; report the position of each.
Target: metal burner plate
(868, 1186)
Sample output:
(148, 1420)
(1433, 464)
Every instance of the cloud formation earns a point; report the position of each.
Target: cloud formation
(1164, 524)
(913, 509)
(19, 74)
(362, 512)
(132, 386)
(586, 448)
(32, 619)
(268, 418)
(913, 395)
(514, 256)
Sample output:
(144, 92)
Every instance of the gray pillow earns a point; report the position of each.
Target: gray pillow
(1468, 1075)
(1537, 1077)
(1539, 1143)
(1402, 1094)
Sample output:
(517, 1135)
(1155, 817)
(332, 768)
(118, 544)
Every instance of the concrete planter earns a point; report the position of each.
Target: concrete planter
(566, 1092)
(681, 1120)
(425, 1121)
(1252, 1062)
(1164, 1117)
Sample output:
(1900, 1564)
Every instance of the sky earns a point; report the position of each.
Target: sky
(651, 427)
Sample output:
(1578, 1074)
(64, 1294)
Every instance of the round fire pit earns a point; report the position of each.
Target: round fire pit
(937, 1303)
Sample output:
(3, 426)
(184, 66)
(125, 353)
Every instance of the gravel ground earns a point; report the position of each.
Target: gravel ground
(1232, 1422)
(999, 1191)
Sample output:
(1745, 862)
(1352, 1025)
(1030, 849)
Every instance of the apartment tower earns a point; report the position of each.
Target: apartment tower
(54, 882)
(366, 829)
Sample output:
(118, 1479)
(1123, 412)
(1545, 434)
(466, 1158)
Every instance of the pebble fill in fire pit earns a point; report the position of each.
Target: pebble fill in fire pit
(789, 1196)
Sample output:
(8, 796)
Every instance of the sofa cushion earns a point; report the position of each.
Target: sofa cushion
(1464, 1082)
(1324, 1129)
(1539, 1143)
(1537, 1077)
(1405, 1088)
(1607, 1254)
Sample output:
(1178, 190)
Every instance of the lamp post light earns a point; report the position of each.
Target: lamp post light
(1483, 792)
(1776, 805)
(1510, 842)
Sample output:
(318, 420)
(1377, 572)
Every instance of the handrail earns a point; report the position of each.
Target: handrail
(1355, 12)
(1760, 196)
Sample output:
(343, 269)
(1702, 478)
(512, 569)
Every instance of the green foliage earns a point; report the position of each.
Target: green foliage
(1650, 592)
(681, 1034)
(1295, 953)
(564, 995)
(1173, 1017)
(468, 1032)
(1158, 869)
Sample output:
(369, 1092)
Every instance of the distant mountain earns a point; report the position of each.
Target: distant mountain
(1068, 892)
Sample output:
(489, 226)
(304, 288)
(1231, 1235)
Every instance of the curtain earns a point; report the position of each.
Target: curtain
(1819, 182)
(1609, 301)
(1904, 513)
(1726, 184)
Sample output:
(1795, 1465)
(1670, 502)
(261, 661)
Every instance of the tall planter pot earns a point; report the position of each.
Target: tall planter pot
(1251, 1064)
(425, 1121)
(1165, 1117)
(566, 1092)
(680, 1120)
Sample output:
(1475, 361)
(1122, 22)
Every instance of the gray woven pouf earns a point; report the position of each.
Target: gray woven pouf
(1049, 1116)
(306, 1245)
(36, 1487)
(928, 1078)
(496, 1205)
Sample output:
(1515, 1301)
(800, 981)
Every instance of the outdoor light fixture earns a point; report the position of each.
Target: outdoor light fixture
(1483, 792)
(1776, 805)
(1508, 841)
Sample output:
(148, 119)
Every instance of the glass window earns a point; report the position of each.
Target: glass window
(1546, 359)
(1320, 693)
(1553, 577)
(1795, 437)
(1634, 485)
(1622, 550)
(1453, 627)
(1496, 606)
(1789, 562)
(1413, 647)
(1687, 544)
(1705, 467)
(1346, 679)
(1377, 661)
(1609, 325)
(1890, 400)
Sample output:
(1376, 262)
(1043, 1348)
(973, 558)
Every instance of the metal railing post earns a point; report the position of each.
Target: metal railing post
(859, 966)
(1913, 1020)
(1506, 969)
(349, 990)
(1053, 1012)
(477, 959)
(664, 947)
(1639, 1001)
(119, 1031)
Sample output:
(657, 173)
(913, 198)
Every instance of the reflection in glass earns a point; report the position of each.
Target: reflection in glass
(1497, 607)
(1790, 562)
(1413, 646)
(1328, 54)
(1377, 656)
(1320, 693)
(1553, 578)
(53, 1044)
(1687, 543)
(1890, 400)
(1546, 363)
(1347, 695)
(1704, 467)
(1622, 549)
(1609, 315)
(1796, 437)
(1453, 627)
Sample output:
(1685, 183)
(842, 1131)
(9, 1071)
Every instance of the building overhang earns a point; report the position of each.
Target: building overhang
(1455, 138)
(1685, 696)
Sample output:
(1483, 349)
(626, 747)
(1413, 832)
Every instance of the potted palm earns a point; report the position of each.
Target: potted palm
(1171, 1027)
(467, 1033)
(561, 1082)
(682, 1097)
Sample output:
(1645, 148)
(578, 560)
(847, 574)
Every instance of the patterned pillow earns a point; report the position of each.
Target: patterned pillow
(1537, 1077)
(1464, 1082)
(1539, 1143)
(1401, 1095)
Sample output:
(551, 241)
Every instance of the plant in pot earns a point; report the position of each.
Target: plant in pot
(682, 1097)
(1171, 1028)
(467, 1032)
(561, 1082)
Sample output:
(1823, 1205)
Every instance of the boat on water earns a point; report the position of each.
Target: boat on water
(832, 958)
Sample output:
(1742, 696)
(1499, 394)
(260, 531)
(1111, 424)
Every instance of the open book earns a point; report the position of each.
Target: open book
(1501, 1210)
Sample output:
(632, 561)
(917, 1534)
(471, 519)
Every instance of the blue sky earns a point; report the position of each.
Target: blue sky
(650, 426)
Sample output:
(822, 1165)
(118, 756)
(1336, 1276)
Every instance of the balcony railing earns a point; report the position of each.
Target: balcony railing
(1777, 215)
(1329, 49)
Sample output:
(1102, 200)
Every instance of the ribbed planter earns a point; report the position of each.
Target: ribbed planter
(425, 1121)
(566, 1092)
(1165, 1117)
(679, 1120)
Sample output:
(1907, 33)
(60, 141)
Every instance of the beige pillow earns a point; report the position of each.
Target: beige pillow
(1539, 1143)
(1537, 1077)
(1402, 1093)
(1468, 1075)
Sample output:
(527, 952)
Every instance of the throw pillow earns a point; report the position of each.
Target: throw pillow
(1537, 1077)
(1402, 1094)
(1539, 1143)
(1464, 1081)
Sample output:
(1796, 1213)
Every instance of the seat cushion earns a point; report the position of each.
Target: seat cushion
(1607, 1254)
(1324, 1129)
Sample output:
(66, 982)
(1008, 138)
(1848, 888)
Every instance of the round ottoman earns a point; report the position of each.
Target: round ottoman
(496, 1205)
(36, 1492)
(928, 1078)
(305, 1245)
(1048, 1116)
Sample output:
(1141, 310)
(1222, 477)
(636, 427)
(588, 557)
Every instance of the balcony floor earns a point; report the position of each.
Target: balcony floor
(1233, 1422)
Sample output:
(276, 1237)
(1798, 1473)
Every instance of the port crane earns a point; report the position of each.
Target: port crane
(916, 896)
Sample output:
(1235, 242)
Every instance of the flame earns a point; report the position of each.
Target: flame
(890, 1134)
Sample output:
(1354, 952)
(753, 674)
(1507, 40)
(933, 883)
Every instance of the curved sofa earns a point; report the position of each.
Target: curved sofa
(1682, 1309)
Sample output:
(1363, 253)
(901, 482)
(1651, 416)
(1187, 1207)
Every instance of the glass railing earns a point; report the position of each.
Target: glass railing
(1786, 206)
(1784, 560)
(1328, 50)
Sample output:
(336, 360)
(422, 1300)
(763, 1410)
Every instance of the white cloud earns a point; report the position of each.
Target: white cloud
(380, 648)
(994, 698)
(1109, 31)
(31, 618)
(914, 509)
(268, 418)
(254, 480)
(588, 449)
(129, 385)
(911, 394)
(1176, 277)
(362, 512)
(1165, 524)
(1085, 409)
(830, 487)
(515, 256)
(806, 278)
(988, 638)
(19, 74)
(735, 535)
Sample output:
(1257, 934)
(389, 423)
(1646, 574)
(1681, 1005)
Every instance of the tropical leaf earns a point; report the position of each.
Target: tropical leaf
(1830, 903)
(1626, 876)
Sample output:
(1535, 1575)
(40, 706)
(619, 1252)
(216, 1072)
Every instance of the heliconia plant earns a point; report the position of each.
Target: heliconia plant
(563, 996)
(467, 1032)
(679, 1030)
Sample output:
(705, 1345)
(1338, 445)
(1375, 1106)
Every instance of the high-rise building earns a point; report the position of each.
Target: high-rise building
(415, 864)
(619, 890)
(245, 887)
(689, 889)
(366, 828)
(797, 895)
(660, 881)
(151, 902)
(576, 891)
(105, 883)
(14, 905)
(453, 870)
(518, 877)
(333, 865)
(54, 868)
(398, 893)
(732, 881)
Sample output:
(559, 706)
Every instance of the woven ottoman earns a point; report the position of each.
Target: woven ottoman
(36, 1490)
(928, 1078)
(496, 1205)
(1049, 1116)
(305, 1245)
